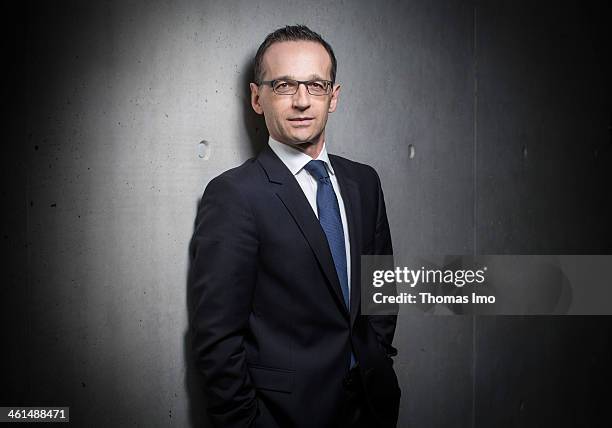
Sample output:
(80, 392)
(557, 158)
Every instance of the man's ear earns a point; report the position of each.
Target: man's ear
(334, 98)
(255, 98)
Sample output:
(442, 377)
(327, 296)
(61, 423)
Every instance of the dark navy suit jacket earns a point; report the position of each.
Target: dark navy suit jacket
(270, 331)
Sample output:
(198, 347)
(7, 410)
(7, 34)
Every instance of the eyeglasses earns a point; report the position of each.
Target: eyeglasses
(290, 87)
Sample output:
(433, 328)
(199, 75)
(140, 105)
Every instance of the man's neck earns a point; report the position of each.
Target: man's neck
(311, 148)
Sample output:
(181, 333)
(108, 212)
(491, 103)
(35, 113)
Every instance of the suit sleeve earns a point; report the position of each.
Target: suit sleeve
(384, 325)
(223, 257)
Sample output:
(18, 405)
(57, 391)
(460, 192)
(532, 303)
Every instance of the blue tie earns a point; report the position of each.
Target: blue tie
(331, 223)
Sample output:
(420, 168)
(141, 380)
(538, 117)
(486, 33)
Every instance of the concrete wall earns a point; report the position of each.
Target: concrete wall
(543, 149)
(132, 107)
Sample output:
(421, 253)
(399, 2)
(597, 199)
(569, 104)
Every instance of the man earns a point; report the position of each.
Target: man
(275, 264)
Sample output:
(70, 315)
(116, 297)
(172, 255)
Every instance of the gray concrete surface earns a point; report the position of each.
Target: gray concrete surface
(506, 106)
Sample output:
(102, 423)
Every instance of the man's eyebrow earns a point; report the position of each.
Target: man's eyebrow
(285, 77)
(313, 76)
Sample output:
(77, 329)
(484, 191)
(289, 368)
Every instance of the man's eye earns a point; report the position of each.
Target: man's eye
(317, 85)
(282, 84)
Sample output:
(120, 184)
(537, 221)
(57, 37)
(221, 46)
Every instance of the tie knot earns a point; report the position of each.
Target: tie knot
(317, 169)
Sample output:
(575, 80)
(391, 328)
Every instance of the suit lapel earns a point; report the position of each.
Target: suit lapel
(292, 196)
(352, 203)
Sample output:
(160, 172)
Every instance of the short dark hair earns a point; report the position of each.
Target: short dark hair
(291, 33)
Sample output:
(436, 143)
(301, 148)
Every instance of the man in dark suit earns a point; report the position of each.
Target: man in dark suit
(277, 329)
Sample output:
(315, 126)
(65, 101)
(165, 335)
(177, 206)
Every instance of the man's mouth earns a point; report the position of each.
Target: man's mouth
(301, 120)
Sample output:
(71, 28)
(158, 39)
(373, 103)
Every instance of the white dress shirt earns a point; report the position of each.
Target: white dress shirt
(295, 160)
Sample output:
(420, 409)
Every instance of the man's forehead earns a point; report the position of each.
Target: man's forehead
(297, 59)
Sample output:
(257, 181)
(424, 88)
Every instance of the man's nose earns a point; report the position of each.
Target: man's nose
(301, 99)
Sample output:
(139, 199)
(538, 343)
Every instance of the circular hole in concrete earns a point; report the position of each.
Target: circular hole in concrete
(410, 151)
(204, 150)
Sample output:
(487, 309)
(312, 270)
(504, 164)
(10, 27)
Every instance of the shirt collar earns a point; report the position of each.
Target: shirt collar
(295, 159)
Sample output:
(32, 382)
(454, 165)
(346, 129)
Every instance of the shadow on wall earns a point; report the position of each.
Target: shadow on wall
(254, 123)
(257, 139)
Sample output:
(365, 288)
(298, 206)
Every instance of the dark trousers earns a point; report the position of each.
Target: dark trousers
(355, 411)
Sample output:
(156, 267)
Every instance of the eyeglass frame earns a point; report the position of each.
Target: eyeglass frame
(299, 82)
